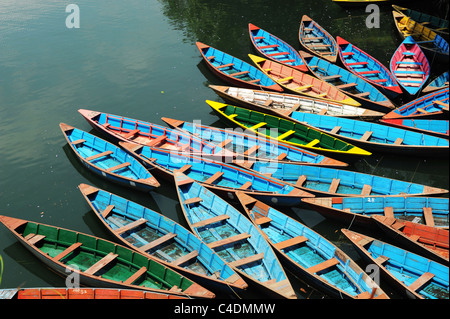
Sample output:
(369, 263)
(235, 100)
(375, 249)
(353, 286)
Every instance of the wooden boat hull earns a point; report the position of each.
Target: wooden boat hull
(410, 66)
(298, 82)
(274, 48)
(325, 181)
(284, 105)
(53, 245)
(308, 255)
(414, 276)
(222, 178)
(427, 241)
(438, 128)
(316, 40)
(82, 293)
(234, 237)
(377, 137)
(251, 148)
(119, 128)
(430, 106)
(355, 87)
(430, 211)
(229, 65)
(368, 68)
(88, 148)
(182, 251)
(286, 131)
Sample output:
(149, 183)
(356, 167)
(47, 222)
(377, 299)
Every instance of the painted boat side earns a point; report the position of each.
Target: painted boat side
(438, 128)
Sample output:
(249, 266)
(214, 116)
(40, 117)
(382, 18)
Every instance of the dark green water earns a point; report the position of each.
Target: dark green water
(138, 59)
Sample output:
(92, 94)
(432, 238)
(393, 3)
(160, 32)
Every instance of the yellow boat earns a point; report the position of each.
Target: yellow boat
(298, 82)
(286, 131)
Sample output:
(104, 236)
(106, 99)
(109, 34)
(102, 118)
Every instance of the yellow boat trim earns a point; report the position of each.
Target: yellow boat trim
(267, 70)
(283, 136)
(257, 126)
(286, 79)
(312, 143)
(351, 102)
(256, 59)
(301, 88)
(232, 116)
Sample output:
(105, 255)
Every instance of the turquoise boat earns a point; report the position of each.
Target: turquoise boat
(328, 182)
(222, 178)
(414, 276)
(234, 238)
(274, 48)
(430, 211)
(368, 68)
(438, 83)
(251, 146)
(311, 256)
(431, 106)
(437, 128)
(160, 238)
(107, 160)
(355, 87)
(377, 137)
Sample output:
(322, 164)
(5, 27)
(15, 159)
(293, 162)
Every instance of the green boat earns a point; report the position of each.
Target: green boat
(286, 131)
(98, 262)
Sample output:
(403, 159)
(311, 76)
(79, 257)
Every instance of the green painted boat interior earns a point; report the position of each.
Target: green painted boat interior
(276, 126)
(94, 249)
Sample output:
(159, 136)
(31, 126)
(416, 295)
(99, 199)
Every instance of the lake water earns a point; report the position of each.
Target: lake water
(139, 59)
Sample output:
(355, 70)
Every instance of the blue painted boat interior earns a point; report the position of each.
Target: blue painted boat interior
(438, 126)
(315, 250)
(404, 208)
(367, 63)
(222, 58)
(425, 102)
(242, 141)
(325, 69)
(380, 133)
(351, 183)
(119, 123)
(157, 226)
(440, 44)
(408, 267)
(95, 145)
(440, 81)
(263, 38)
(263, 270)
(318, 32)
(201, 170)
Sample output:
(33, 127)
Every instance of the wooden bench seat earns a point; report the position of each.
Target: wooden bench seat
(107, 211)
(279, 53)
(193, 200)
(160, 139)
(185, 168)
(269, 46)
(247, 260)
(100, 264)
(398, 141)
(131, 133)
(130, 226)
(67, 251)
(286, 79)
(210, 221)
(389, 211)
(369, 72)
(225, 66)
(268, 102)
(229, 240)
(428, 215)
(346, 86)
(257, 126)
(254, 81)
(225, 143)
(366, 136)
(93, 157)
(33, 239)
(117, 167)
(366, 190)
(331, 77)
(246, 185)
(157, 242)
(381, 259)
(281, 157)
(214, 177)
(186, 258)
(334, 185)
(252, 150)
(358, 63)
(135, 276)
(239, 73)
(313, 143)
(335, 129)
(285, 135)
(80, 141)
(301, 180)
(323, 265)
(421, 281)
(290, 242)
(262, 220)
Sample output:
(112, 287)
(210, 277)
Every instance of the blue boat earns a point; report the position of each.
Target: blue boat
(311, 256)
(160, 238)
(248, 145)
(107, 160)
(437, 128)
(350, 84)
(325, 181)
(317, 40)
(430, 211)
(368, 68)
(431, 106)
(377, 137)
(415, 276)
(274, 48)
(234, 238)
(235, 71)
(222, 178)
(120, 128)
(439, 83)
(410, 66)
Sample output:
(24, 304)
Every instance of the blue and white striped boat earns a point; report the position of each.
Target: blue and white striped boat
(377, 137)
(107, 160)
(325, 181)
(311, 256)
(162, 239)
(415, 276)
(234, 238)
